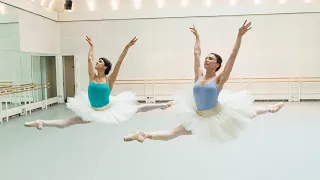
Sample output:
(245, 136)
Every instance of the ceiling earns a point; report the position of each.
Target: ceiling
(95, 5)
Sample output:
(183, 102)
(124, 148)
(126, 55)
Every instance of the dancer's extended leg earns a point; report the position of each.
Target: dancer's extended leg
(150, 107)
(270, 109)
(158, 135)
(55, 123)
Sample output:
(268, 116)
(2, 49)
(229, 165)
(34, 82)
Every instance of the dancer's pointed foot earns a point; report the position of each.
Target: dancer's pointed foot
(169, 104)
(276, 107)
(38, 124)
(138, 136)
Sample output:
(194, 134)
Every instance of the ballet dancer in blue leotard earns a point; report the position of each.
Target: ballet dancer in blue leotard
(210, 113)
(98, 105)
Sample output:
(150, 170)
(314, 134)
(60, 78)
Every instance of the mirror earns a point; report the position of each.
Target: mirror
(10, 64)
(23, 75)
(43, 70)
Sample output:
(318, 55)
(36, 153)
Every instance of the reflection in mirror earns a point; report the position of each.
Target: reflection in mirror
(44, 71)
(24, 76)
(10, 72)
(36, 77)
(48, 70)
(10, 66)
(9, 32)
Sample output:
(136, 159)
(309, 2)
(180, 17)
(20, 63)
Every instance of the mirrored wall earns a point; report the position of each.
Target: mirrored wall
(24, 77)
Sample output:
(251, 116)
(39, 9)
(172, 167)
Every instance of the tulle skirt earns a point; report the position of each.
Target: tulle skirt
(120, 108)
(219, 124)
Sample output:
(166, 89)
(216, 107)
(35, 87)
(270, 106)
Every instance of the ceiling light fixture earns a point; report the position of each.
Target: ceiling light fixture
(137, 4)
(51, 3)
(114, 5)
(160, 4)
(1, 9)
(91, 5)
(184, 3)
(208, 2)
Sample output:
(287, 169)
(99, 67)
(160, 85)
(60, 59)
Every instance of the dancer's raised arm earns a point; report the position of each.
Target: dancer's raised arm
(197, 54)
(90, 60)
(113, 77)
(224, 76)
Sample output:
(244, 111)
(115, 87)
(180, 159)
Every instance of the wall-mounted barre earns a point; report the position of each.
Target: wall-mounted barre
(21, 88)
(250, 81)
(15, 89)
(231, 80)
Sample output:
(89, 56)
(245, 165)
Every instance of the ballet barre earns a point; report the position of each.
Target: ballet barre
(27, 90)
(231, 80)
(5, 84)
(241, 81)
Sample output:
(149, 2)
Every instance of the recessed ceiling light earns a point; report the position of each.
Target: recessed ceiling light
(91, 5)
(2, 9)
(208, 2)
(233, 2)
(137, 4)
(51, 3)
(184, 3)
(114, 5)
(160, 4)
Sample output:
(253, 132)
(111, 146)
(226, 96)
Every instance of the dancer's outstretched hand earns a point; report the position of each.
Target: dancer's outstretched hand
(132, 42)
(194, 31)
(245, 28)
(89, 40)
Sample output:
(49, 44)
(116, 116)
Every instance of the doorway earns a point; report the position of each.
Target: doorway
(68, 77)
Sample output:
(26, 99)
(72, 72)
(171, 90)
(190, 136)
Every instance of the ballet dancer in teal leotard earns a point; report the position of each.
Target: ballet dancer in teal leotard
(98, 105)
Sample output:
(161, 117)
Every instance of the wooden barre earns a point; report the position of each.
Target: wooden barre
(189, 79)
(17, 92)
(23, 88)
(188, 82)
(4, 82)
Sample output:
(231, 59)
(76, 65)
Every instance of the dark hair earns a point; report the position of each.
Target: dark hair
(108, 64)
(219, 60)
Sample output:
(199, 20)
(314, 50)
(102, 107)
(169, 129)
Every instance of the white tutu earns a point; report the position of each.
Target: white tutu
(219, 124)
(120, 108)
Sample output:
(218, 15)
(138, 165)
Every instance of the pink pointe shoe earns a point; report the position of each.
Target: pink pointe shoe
(168, 104)
(276, 107)
(138, 136)
(37, 124)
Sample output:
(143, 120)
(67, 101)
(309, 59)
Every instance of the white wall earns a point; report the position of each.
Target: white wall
(9, 48)
(9, 33)
(165, 43)
(276, 46)
(27, 5)
(103, 9)
(10, 71)
(38, 27)
(38, 34)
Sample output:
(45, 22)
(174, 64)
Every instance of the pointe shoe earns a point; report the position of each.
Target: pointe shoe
(276, 107)
(138, 136)
(168, 104)
(38, 124)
